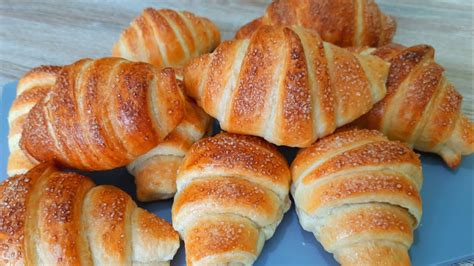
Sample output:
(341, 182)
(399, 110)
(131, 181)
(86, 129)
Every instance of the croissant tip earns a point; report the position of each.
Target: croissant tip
(453, 164)
(389, 27)
(452, 160)
(116, 50)
(248, 29)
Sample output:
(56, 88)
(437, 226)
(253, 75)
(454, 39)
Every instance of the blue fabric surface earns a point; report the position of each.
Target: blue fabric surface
(444, 236)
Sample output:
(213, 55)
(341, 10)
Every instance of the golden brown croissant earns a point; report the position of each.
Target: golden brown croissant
(285, 85)
(31, 88)
(232, 194)
(104, 113)
(359, 194)
(155, 171)
(422, 108)
(54, 218)
(166, 38)
(341, 22)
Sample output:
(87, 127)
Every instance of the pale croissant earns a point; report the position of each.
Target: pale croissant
(422, 108)
(155, 172)
(104, 113)
(341, 22)
(53, 218)
(31, 88)
(358, 193)
(285, 85)
(232, 194)
(166, 38)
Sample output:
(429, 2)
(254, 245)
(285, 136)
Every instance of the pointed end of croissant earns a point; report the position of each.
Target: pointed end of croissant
(373, 253)
(42, 76)
(19, 163)
(174, 104)
(215, 34)
(389, 27)
(387, 52)
(193, 72)
(154, 239)
(248, 29)
(155, 177)
(452, 159)
(460, 142)
(222, 239)
(377, 71)
(116, 49)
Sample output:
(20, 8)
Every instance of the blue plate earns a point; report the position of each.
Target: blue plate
(445, 234)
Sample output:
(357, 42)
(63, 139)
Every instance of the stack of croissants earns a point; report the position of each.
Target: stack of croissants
(320, 75)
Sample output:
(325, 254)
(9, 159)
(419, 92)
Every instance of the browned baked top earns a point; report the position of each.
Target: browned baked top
(341, 22)
(103, 113)
(166, 38)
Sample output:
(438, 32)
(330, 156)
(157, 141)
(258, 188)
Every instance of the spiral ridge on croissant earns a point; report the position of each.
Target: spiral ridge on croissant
(232, 194)
(166, 38)
(285, 85)
(55, 218)
(102, 114)
(358, 193)
(422, 108)
(31, 88)
(346, 23)
(155, 171)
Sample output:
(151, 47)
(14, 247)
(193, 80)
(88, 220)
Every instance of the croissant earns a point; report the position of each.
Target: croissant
(341, 22)
(358, 193)
(102, 114)
(422, 108)
(55, 218)
(155, 171)
(285, 85)
(31, 88)
(232, 194)
(166, 38)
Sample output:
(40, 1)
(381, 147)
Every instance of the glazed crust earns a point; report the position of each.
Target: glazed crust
(15, 194)
(232, 194)
(358, 193)
(166, 38)
(285, 85)
(422, 108)
(31, 88)
(56, 218)
(346, 23)
(102, 114)
(57, 221)
(222, 239)
(247, 157)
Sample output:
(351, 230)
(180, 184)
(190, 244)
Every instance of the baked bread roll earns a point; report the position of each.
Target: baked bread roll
(166, 38)
(102, 114)
(422, 108)
(55, 218)
(232, 194)
(359, 194)
(285, 85)
(31, 88)
(341, 22)
(155, 171)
